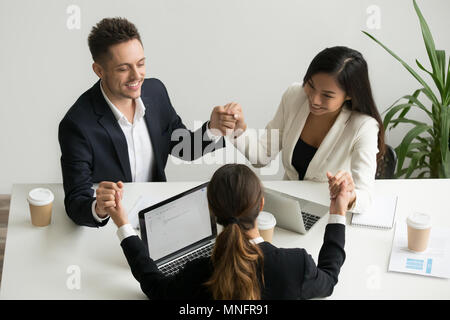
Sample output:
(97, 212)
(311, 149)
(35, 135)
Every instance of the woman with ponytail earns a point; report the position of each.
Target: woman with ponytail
(242, 265)
(235, 198)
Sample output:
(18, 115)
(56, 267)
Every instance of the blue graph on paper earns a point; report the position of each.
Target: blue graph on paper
(419, 264)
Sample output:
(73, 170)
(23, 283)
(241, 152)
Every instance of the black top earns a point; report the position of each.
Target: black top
(288, 273)
(303, 153)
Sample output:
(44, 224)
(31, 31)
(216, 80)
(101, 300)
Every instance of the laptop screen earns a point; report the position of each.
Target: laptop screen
(177, 223)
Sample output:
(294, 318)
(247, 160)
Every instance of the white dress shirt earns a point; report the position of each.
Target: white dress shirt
(140, 150)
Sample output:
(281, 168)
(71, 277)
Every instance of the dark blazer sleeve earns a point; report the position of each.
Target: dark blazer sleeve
(76, 164)
(183, 285)
(319, 281)
(186, 144)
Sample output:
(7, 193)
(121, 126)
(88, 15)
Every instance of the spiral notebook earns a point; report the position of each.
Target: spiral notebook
(381, 215)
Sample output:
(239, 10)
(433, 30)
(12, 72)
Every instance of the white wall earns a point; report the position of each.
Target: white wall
(207, 52)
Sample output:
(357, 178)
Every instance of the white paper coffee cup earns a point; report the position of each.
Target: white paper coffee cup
(40, 201)
(266, 224)
(419, 227)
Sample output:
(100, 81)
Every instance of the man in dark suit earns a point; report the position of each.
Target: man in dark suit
(124, 127)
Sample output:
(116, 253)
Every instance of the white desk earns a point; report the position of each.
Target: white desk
(37, 260)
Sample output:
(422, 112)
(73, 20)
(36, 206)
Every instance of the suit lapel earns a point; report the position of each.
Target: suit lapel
(329, 142)
(109, 123)
(154, 130)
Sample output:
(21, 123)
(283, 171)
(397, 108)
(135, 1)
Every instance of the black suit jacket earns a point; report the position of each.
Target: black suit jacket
(288, 273)
(94, 148)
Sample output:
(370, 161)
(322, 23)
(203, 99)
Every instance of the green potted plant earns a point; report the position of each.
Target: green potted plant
(426, 145)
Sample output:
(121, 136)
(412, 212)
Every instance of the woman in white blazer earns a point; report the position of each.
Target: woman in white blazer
(328, 123)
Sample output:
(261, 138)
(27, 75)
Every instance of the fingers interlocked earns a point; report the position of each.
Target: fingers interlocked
(334, 182)
(106, 193)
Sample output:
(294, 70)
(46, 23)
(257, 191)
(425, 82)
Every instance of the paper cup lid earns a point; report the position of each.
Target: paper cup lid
(40, 197)
(266, 220)
(419, 220)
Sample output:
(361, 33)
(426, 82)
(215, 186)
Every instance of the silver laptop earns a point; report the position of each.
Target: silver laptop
(292, 213)
(179, 229)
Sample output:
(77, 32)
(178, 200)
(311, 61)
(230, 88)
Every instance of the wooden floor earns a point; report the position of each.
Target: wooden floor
(4, 212)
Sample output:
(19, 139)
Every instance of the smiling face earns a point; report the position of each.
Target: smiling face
(324, 94)
(122, 71)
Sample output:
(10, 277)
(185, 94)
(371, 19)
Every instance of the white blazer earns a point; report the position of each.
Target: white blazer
(351, 145)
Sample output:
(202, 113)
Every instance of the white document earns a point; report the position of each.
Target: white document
(381, 214)
(435, 261)
(141, 203)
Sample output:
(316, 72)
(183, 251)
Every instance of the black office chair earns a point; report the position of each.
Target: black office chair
(387, 166)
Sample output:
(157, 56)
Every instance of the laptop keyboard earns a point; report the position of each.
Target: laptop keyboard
(176, 265)
(309, 220)
(173, 267)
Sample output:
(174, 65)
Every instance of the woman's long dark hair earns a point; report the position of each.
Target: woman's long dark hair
(351, 72)
(234, 198)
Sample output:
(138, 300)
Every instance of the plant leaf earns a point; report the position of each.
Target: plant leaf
(433, 76)
(399, 173)
(419, 104)
(402, 149)
(405, 107)
(404, 111)
(446, 169)
(406, 120)
(444, 140)
(432, 150)
(427, 140)
(441, 61)
(422, 174)
(415, 95)
(421, 146)
(446, 100)
(429, 92)
(387, 118)
(423, 68)
(429, 44)
(413, 164)
(396, 121)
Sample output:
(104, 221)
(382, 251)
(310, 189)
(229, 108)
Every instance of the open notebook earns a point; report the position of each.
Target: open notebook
(381, 214)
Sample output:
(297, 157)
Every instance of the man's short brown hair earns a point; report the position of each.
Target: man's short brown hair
(108, 32)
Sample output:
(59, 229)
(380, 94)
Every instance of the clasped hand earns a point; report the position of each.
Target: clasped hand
(341, 185)
(227, 120)
(105, 196)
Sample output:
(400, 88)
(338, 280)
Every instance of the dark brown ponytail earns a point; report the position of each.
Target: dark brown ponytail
(234, 197)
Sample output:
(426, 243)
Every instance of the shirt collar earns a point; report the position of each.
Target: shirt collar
(140, 109)
(257, 240)
(139, 112)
